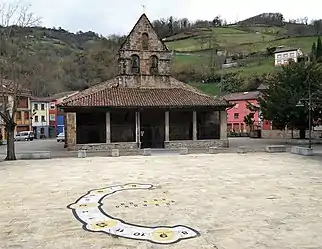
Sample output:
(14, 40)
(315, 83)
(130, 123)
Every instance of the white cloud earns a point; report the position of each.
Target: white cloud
(104, 17)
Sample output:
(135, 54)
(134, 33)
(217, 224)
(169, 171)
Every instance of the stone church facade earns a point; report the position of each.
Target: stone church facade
(144, 107)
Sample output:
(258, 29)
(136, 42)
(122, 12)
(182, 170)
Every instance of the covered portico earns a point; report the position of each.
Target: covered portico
(129, 118)
(145, 128)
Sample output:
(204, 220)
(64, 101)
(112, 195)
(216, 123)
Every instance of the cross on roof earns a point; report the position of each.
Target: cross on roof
(144, 8)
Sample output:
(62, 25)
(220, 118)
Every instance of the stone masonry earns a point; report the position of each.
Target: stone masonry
(71, 129)
(133, 46)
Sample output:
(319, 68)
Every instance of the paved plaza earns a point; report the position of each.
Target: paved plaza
(223, 201)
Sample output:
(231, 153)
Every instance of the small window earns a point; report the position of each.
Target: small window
(43, 119)
(35, 106)
(26, 115)
(292, 54)
(18, 115)
(236, 115)
(52, 106)
(154, 62)
(145, 41)
(42, 106)
(279, 56)
(285, 55)
(135, 64)
(52, 117)
(36, 119)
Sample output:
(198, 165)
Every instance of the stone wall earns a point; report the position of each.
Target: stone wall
(133, 46)
(70, 129)
(195, 144)
(103, 147)
(287, 134)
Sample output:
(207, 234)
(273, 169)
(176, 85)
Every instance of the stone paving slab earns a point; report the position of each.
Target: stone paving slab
(235, 201)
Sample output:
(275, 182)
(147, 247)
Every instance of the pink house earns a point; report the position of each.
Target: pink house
(236, 114)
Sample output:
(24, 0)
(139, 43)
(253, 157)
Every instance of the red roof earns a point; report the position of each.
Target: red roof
(173, 94)
(144, 97)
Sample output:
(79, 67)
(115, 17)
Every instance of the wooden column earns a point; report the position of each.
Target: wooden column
(137, 127)
(108, 127)
(194, 125)
(167, 125)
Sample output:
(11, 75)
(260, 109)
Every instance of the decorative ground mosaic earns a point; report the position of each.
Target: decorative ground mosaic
(88, 210)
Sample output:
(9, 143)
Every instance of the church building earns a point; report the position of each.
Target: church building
(144, 107)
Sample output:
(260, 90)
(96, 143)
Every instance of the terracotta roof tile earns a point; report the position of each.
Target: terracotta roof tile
(144, 97)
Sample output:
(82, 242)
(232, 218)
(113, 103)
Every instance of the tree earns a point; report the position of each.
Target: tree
(313, 51)
(286, 89)
(15, 71)
(319, 49)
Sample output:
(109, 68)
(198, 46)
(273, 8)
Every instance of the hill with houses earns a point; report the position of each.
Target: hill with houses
(203, 51)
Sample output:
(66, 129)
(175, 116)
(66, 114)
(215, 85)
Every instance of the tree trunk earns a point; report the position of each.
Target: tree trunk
(11, 155)
(302, 133)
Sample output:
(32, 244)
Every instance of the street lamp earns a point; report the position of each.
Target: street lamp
(301, 104)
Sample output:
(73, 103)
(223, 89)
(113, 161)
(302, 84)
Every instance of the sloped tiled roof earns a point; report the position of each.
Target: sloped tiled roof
(285, 49)
(177, 95)
(242, 96)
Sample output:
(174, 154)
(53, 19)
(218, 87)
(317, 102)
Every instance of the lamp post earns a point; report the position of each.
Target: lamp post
(300, 104)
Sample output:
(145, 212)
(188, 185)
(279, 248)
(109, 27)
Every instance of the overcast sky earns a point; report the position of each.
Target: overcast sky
(117, 17)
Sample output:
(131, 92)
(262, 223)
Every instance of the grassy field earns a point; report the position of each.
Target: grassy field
(225, 38)
(240, 39)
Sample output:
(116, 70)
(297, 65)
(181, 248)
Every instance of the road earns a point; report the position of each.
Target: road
(57, 149)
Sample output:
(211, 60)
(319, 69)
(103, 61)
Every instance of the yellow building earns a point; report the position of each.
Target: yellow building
(21, 117)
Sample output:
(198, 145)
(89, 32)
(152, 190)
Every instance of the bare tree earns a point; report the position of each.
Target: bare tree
(15, 74)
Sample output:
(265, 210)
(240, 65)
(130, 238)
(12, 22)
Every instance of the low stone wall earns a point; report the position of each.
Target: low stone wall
(102, 147)
(223, 143)
(288, 134)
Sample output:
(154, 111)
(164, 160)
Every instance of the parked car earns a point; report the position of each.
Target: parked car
(24, 136)
(61, 137)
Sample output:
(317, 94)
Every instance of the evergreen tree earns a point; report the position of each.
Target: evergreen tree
(313, 51)
(286, 89)
(319, 49)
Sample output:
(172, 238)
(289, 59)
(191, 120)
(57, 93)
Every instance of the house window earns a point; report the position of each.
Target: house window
(145, 41)
(18, 115)
(52, 117)
(43, 119)
(135, 64)
(154, 62)
(279, 56)
(36, 119)
(236, 115)
(285, 55)
(42, 107)
(292, 54)
(36, 107)
(285, 61)
(26, 115)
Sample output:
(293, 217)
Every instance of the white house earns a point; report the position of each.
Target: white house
(40, 117)
(284, 54)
